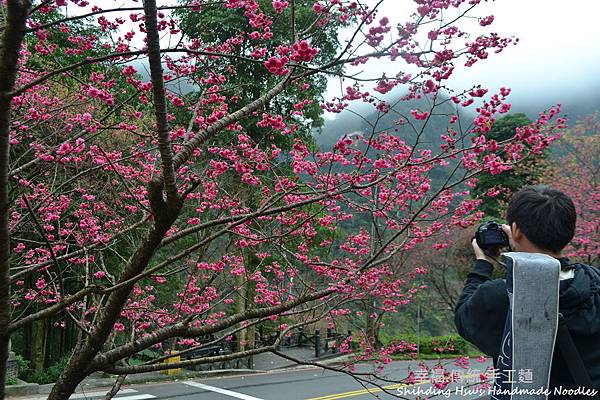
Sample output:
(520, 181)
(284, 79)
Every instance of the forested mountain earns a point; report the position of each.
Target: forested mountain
(366, 119)
(575, 106)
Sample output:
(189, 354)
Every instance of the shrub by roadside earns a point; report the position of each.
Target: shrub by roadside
(432, 347)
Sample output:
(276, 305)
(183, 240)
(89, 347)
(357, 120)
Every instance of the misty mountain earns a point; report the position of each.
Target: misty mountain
(365, 119)
(574, 105)
(360, 117)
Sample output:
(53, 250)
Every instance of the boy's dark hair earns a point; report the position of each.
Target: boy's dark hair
(546, 216)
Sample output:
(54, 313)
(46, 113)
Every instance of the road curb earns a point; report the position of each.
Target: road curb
(33, 389)
(22, 389)
(26, 391)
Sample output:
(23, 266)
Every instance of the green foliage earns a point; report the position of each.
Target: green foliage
(143, 356)
(449, 344)
(10, 381)
(215, 25)
(510, 181)
(504, 128)
(23, 365)
(18, 344)
(61, 39)
(50, 374)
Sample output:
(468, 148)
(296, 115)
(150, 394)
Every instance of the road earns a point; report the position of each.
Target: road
(297, 384)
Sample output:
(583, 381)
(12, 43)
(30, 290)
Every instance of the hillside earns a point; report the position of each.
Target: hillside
(364, 119)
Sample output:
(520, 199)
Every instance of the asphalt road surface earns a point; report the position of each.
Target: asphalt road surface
(303, 384)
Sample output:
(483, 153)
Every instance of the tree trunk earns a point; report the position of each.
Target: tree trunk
(251, 330)
(10, 45)
(240, 307)
(38, 345)
(80, 365)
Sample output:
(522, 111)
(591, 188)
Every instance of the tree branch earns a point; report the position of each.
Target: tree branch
(160, 105)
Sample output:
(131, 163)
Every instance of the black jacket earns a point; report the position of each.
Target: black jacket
(480, 316)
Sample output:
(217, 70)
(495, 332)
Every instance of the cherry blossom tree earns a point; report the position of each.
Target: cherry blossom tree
(576, 171)
(114, 188)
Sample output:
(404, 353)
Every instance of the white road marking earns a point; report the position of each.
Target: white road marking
(135, 397)
(221, 391)
(85, 395)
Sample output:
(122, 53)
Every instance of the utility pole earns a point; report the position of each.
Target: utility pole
(418, 328)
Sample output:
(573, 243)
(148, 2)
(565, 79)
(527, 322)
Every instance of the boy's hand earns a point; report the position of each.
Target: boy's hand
(506, 229)
(481, 255)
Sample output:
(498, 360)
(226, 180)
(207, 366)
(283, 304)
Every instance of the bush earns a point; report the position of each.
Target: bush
(50, 374)
(23, 366)
(10, 381)
(450, 344)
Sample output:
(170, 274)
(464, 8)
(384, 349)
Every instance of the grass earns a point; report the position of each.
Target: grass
(471, 354)
(11, 381)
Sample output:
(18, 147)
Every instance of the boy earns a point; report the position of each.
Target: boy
(540, 220)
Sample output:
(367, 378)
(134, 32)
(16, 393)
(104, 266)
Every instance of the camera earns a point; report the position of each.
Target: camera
(490, 235)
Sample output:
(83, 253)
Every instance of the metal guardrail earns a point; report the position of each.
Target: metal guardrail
(322, 345)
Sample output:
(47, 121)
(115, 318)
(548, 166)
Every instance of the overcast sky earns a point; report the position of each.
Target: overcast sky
(556, 60)
(557, 57)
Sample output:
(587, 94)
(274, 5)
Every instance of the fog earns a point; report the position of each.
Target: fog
(555, 61)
